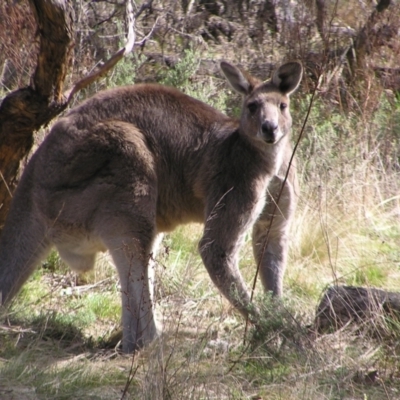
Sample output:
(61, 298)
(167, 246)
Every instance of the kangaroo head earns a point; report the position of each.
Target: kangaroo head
(265, 112)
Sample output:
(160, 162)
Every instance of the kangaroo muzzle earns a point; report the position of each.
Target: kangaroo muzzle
(270, 132)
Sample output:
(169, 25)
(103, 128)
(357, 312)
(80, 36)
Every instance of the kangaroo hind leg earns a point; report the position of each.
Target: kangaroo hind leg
(131, 256)
(126, 226)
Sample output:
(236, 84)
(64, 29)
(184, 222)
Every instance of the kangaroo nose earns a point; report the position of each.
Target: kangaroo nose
(269, 131)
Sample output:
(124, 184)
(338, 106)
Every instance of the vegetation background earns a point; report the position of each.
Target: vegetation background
(58, 338)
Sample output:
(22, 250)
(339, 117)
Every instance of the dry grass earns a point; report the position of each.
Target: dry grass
(56, 344)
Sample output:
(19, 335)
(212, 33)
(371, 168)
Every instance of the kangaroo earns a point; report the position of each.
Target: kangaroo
(132, 162)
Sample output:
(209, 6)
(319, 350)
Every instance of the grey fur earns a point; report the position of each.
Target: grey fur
(135, 161)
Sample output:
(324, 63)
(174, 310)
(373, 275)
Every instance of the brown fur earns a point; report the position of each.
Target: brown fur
(135, 161)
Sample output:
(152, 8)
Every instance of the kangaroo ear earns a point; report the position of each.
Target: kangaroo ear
(287, 77)
(236, 78)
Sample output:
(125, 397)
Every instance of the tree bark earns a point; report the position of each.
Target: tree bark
(343, 304)
(25, 110)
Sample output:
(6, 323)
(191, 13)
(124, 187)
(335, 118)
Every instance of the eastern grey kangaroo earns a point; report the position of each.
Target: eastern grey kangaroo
(136, 161)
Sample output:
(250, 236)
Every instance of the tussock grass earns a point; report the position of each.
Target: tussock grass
(331, 248)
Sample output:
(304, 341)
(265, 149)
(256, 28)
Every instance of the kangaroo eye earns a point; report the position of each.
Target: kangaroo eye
(252, 107)
(282, 106)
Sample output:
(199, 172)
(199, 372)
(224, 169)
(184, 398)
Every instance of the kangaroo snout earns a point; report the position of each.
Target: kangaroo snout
(270, 131)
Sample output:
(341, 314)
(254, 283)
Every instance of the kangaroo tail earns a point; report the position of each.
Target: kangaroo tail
(23, 241)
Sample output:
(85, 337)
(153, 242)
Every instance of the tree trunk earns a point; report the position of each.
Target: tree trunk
(343, 304)
(25, 110)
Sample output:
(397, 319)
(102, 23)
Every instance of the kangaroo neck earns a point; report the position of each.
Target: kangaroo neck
(273, 154)
(277, 152)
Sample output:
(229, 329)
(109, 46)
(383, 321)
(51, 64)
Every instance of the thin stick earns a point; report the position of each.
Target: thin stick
(7, 187)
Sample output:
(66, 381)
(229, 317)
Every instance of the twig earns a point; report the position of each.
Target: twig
(8, 189)
(149, 34)
(131, 375)
(10, 329)
(85, 288)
